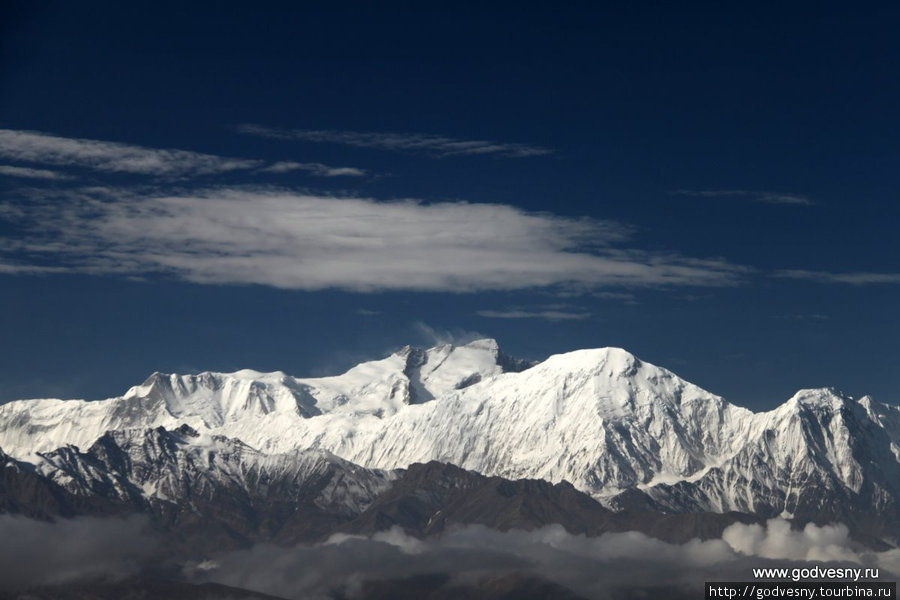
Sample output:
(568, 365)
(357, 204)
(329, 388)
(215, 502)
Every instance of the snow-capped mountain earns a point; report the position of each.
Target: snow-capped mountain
(184, 466)
(214, 492)
(206, 493)
(258, 408)
(819, 454)
(609, 423)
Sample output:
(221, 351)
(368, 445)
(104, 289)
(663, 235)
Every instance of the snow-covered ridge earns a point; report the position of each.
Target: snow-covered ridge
(231, 402)
(183, 466)
(602, 419)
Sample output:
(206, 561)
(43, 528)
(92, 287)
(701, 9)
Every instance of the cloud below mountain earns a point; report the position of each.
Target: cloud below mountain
(592, 567)
(36, 553)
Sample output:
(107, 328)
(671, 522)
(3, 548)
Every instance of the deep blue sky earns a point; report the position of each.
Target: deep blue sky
(711, 186)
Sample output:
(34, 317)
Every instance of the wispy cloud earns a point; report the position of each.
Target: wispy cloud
(853, 278)
(19, 269)
(548, 313)
(314, 169)
(785, 198)
(115, 157)
(436, 336)
(300, 241)
(614, 296)
(435, 145)
(36, 147)
(25, 172)
(804, 317)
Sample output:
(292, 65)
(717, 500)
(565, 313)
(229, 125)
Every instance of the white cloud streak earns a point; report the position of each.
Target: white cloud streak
(805, 317)
(614, 296)
(853, 278)
(14, 269)
(33, 146)
(785, 198)
(308, 242)
(434, 145)
(114, 157)
(547, 314)
(314, 169)
(27, 173)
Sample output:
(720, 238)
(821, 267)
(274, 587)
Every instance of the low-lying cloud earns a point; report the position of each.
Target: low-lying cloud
(598, 567)
(778, 540)
(312, 242)
(34, 553)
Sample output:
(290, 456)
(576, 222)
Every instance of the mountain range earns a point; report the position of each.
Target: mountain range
(427, 439)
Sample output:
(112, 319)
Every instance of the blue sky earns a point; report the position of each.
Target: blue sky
(710, 186)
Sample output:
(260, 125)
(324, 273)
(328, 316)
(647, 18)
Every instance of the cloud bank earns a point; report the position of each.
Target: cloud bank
(600, 567)
(434, 145)
(34, 553)
(312, 242)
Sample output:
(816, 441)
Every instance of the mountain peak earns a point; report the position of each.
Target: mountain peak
(819, 398)
(154, 377)
(611, 360)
